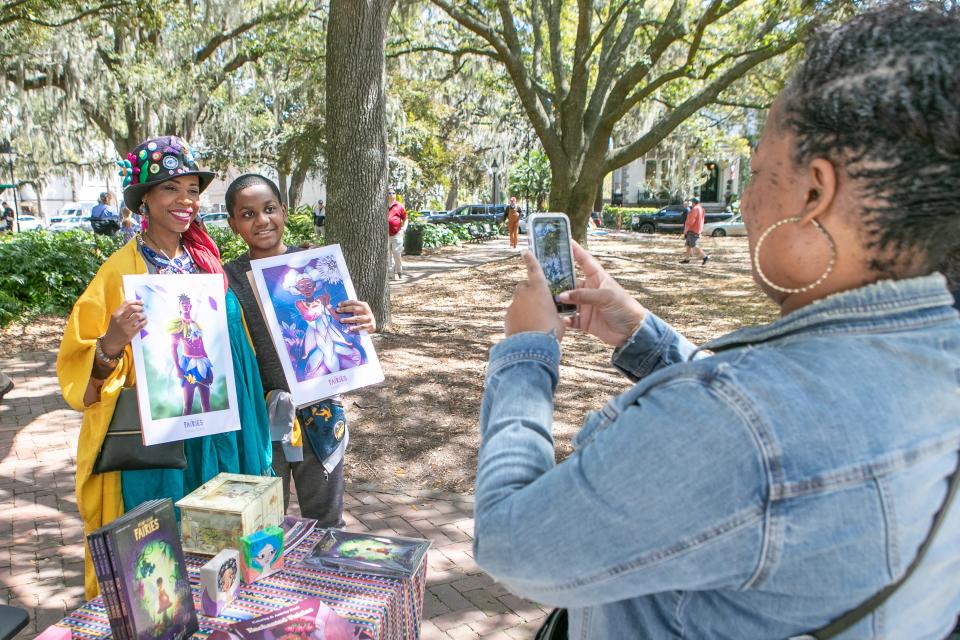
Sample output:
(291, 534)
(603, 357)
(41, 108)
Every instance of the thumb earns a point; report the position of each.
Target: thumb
(534, 270)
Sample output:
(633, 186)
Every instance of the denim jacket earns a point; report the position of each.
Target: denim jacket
(758, 492)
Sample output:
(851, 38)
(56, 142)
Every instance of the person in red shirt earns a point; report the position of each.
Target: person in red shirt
(692, 229)
(397, 224)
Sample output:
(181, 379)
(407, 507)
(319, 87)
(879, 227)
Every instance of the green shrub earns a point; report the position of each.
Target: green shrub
(46, 272)
(439, 235)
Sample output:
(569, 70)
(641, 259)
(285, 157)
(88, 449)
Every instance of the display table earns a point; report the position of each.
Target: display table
(388, 608)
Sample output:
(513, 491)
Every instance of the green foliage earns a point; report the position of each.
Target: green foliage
(46, 272)
(530, 177)
(439, 235)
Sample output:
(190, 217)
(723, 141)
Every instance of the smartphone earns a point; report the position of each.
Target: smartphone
(549, 238)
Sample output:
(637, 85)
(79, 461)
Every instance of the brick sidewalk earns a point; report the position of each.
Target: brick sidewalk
(41, 535)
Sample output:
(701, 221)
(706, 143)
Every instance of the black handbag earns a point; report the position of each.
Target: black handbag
(123, 448)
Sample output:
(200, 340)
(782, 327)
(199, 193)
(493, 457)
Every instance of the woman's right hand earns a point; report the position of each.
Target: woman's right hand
(124, 324)
(605, 309)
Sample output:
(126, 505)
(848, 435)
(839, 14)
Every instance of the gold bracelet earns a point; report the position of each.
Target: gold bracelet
(103, 358)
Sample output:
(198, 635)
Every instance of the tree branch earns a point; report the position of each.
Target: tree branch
(214, 43)
(14, 17)
(456, 53)
(622, 155)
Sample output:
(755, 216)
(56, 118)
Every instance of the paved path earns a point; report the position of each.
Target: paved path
(41, 548)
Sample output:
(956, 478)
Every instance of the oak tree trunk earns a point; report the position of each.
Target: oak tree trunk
(357, 145)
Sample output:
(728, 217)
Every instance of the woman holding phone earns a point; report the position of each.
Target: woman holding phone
(780, 477)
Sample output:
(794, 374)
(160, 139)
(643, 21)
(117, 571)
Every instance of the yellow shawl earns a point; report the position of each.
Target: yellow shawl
(99, 499)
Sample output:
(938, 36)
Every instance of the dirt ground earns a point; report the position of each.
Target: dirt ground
(420, 427)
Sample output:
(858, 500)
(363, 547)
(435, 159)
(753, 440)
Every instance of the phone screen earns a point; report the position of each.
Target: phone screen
(552, 249)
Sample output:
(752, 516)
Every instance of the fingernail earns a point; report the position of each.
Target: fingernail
(564, 297)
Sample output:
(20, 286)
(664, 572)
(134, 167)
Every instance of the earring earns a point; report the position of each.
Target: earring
(812, 285)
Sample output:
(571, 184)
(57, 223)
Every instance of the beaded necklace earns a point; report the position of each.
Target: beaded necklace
(165, 264)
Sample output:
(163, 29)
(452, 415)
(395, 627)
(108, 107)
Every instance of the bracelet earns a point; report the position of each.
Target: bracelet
(103, 358)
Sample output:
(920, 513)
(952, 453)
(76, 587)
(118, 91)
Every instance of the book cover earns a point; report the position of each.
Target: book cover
(295, 531)
(108, 584)
(153, 584)
(365, 553)
(309, 619)
(299, 293)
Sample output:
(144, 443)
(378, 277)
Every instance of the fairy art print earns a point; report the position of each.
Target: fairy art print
(299, 293)
(185, 380)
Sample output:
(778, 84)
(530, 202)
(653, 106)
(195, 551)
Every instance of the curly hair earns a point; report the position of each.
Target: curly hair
(880, 97)
(244, 181)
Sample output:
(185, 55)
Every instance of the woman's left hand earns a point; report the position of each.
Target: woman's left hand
(533, 308)
(361, 318)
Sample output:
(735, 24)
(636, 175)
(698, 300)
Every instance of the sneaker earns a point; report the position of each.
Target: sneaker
(705, 258)
(7, 388)
(685, 261)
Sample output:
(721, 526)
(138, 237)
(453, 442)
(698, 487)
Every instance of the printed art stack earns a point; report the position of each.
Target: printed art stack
(142, 574)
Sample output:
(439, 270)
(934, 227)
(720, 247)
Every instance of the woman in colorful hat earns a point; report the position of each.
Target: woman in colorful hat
(163, 184)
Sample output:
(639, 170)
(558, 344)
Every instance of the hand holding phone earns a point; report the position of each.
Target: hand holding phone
(532, 308)
(551, 243)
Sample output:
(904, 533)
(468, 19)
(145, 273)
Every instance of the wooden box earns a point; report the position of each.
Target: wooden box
(217, 514)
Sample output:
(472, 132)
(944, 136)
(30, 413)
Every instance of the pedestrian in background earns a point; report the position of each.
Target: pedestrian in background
(513, 221)
(692, 228)
(396, 226)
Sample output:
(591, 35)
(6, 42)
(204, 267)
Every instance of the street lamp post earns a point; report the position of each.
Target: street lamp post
(495, 168)
(9, 155)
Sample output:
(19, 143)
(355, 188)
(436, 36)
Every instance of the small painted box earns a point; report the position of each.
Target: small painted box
(261, 554)
(215, 515)
(219, 582)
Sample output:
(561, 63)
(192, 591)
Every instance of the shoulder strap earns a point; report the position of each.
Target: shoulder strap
(854, 616)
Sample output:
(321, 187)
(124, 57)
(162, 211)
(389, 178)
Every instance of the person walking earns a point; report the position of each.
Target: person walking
(6, 219)
(396, 226)
(692, 228)
(513, 221)
(319, 216)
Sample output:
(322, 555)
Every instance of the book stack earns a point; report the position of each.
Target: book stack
(143, 577)
(364, 553)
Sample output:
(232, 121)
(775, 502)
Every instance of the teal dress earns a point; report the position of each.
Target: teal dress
(245, 451)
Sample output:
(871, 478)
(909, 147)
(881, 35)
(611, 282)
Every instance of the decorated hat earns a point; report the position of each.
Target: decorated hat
(158, 160)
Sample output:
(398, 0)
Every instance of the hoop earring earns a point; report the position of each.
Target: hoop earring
(812, 285)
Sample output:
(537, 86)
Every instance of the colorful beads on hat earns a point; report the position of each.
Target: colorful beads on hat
(152, 146)
(143, 154)
(154, 168)
(126, 171)
(155, 156)
(171, 162)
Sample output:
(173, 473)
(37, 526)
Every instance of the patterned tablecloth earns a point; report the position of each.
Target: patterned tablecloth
(390, 608)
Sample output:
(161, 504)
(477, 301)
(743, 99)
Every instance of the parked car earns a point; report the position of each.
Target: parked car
(469, 213)
(71, 223)
(732, 227)
(29, 223)
(73, 209)
(668, 219)
(215, 220)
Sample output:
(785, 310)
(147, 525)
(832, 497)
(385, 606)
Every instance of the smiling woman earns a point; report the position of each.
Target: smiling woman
(163, 182)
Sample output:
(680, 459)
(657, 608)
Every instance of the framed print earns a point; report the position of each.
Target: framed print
(299, 293)
(185, 379)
